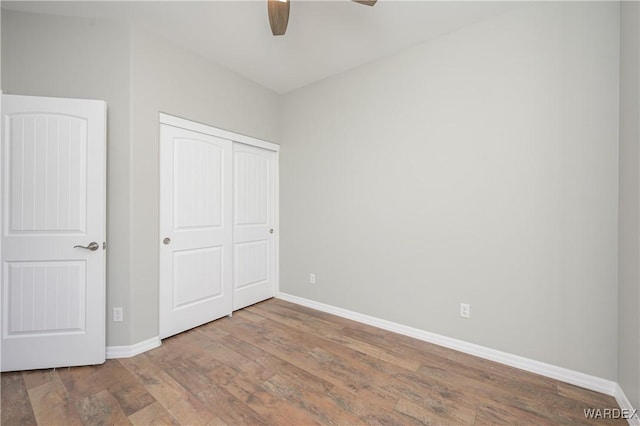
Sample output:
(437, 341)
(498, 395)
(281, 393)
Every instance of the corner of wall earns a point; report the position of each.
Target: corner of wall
(629, 206)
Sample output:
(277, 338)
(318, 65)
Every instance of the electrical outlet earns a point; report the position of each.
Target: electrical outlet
(117, 314)
(312, 278)
(465, 310)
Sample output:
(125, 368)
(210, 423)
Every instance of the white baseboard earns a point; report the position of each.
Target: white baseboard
(583, 380)
(624, 404)
(133, 350)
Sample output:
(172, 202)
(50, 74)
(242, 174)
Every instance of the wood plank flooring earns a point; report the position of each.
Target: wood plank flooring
(277, 363)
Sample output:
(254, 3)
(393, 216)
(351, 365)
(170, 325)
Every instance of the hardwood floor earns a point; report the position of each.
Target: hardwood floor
(284, 364)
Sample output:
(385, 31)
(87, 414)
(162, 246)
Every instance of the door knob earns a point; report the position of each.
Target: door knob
(166, 241)
(271, 231)
(93, 246)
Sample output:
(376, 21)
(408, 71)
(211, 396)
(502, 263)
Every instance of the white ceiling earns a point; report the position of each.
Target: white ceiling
(323, 38)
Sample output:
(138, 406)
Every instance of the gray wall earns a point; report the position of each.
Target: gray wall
(480, 167)
(0, 44)
(79, 58)
(171, 80)
(629, 243)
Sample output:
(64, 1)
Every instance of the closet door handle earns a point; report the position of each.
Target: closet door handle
(271, 231)
(166, 241)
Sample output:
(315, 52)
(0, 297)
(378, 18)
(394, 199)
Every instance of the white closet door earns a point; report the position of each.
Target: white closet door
(53, 198)
(254, 222)
(195, 229)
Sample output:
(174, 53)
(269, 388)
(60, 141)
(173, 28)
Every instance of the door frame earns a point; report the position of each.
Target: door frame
(206, 129)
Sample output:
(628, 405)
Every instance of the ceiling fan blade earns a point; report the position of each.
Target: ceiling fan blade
(366, 2)
(278, 16)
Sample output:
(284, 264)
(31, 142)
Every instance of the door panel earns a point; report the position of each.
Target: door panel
(47, 173)
(198, 184)
(53, 192)
(253, 225)
(251, 261)
(46, 298)
(195, 221)
(199, 273)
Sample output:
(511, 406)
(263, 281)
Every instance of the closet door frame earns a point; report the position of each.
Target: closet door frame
(172, 120)
(247, 140)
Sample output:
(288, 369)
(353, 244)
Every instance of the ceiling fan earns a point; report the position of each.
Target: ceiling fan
(279, 14)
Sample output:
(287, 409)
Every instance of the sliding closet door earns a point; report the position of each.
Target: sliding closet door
(195, 229)
(254, 223)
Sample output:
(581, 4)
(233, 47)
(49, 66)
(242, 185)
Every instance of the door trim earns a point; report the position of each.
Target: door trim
(214, 131)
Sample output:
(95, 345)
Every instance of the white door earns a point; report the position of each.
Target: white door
(53, 196)
(195, 229)
(254, 223)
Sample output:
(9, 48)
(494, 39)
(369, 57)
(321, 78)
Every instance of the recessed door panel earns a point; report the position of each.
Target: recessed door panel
(251, 188)
(200, 274)
(198, 184)
(251, 262)
(47, 173)
(46, 298)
